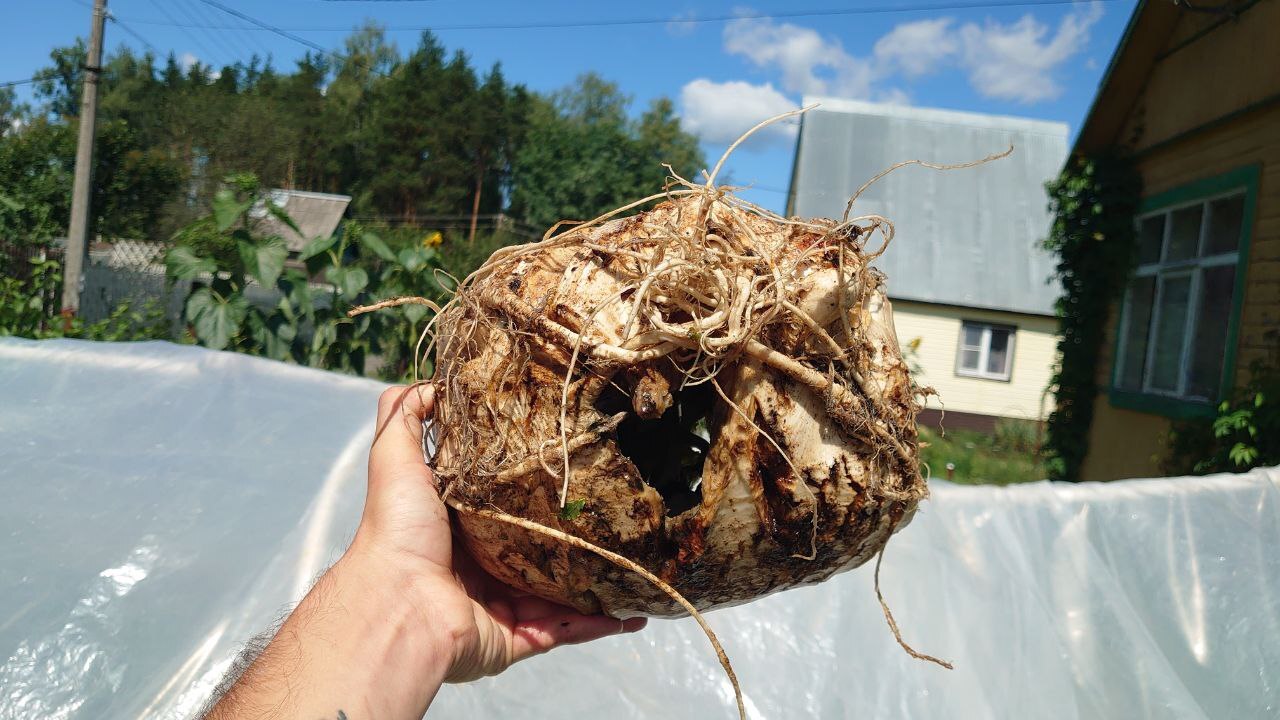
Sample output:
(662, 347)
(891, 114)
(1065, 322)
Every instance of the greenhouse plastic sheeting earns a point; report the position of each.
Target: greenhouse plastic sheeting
(164, 503)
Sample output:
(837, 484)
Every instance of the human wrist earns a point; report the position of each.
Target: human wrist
(405, 649)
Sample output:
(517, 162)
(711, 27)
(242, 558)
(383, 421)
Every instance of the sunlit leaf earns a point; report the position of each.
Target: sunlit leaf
(377, 246)
(216, 320)
(317, 246)
(226, 209)
(184, 264)
(263, 260)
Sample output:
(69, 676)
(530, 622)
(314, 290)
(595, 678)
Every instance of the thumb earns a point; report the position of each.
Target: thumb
(397, 441)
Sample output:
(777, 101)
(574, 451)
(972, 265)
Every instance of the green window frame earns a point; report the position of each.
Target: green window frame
(1164, 271)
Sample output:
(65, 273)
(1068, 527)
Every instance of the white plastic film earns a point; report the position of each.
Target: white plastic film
(163, 503)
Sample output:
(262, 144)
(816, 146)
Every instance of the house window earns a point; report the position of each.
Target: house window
(1177, 310)
(986, 350)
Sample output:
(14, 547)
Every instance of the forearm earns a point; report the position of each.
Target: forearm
(355, 645)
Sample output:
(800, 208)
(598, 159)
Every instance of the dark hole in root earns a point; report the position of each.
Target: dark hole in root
(671, 450)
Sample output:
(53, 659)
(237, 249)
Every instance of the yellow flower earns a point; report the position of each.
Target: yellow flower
(433, 240)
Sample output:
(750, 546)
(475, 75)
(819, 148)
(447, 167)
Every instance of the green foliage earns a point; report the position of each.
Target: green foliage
(133, 183)
(59, 84)
(406, 135)
(1017, 436)
(29, 308)
(126, 322)
(1093, 203)
(10, 109)
(1009, 455)
(235, 268)
(581, 156)
(1245, 433)
(572, 509)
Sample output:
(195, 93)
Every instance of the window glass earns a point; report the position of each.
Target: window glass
(1141, 297)
(1184, 234)
(986, 351)
(1209, 349)
(1171, 317)
(1184, 284)
(1226, 215)
(998, 353)
(1150, 238)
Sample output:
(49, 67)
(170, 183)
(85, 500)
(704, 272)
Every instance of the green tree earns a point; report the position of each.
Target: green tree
(35, 183)
(132, 184)
(11, 111)
(59, 85)
(660, 140)
(581, 156)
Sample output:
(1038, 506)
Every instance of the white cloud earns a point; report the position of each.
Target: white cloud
(1010, 61)
(809, 63)
(894, 96)
(187, 60)
(916, 48)
(681, 24)
(721, 112)
(1018, 61)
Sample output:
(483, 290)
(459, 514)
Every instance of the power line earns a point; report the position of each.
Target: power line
(13, 83)
(265, 26)
(234, 40)
(197, 14)
(866, 10)
(154, 50)
(199, 44)
(290, 36)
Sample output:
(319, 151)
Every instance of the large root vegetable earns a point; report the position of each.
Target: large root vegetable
(682, 409)
(727, 389)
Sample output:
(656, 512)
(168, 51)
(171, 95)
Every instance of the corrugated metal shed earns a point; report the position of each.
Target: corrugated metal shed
(964, 237)
(316, 214)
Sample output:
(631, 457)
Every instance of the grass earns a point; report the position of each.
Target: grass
(1010, 455)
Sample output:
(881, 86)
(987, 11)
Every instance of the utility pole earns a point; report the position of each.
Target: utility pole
(78, 232)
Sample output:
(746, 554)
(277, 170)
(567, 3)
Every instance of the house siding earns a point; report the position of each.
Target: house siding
(1233, 69)
(938, 329)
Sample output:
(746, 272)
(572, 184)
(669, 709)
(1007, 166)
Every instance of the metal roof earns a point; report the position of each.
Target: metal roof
(963, 237)
(316, 214)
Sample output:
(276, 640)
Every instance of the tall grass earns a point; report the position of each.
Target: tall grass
(1010, 454)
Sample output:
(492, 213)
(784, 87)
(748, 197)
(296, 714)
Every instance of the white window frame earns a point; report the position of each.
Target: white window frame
(1163, 269)
(984, 350)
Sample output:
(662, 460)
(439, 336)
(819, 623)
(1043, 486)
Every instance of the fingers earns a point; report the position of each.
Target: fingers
(533, 637)
(397, 442)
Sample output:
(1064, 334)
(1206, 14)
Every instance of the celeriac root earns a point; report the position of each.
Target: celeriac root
(625, 564)
(698, 285)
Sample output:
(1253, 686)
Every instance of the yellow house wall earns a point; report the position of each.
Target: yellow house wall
(1232, 68)
(938, 328)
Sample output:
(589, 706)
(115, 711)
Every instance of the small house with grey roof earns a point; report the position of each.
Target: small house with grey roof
(972, 300)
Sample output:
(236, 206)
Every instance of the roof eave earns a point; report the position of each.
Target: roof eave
(1126, 72)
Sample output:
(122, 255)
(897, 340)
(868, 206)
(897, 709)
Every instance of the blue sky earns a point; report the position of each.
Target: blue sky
(1038, 61)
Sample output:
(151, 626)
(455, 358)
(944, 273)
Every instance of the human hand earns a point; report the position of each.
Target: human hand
(405, 533)
(403, 610)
